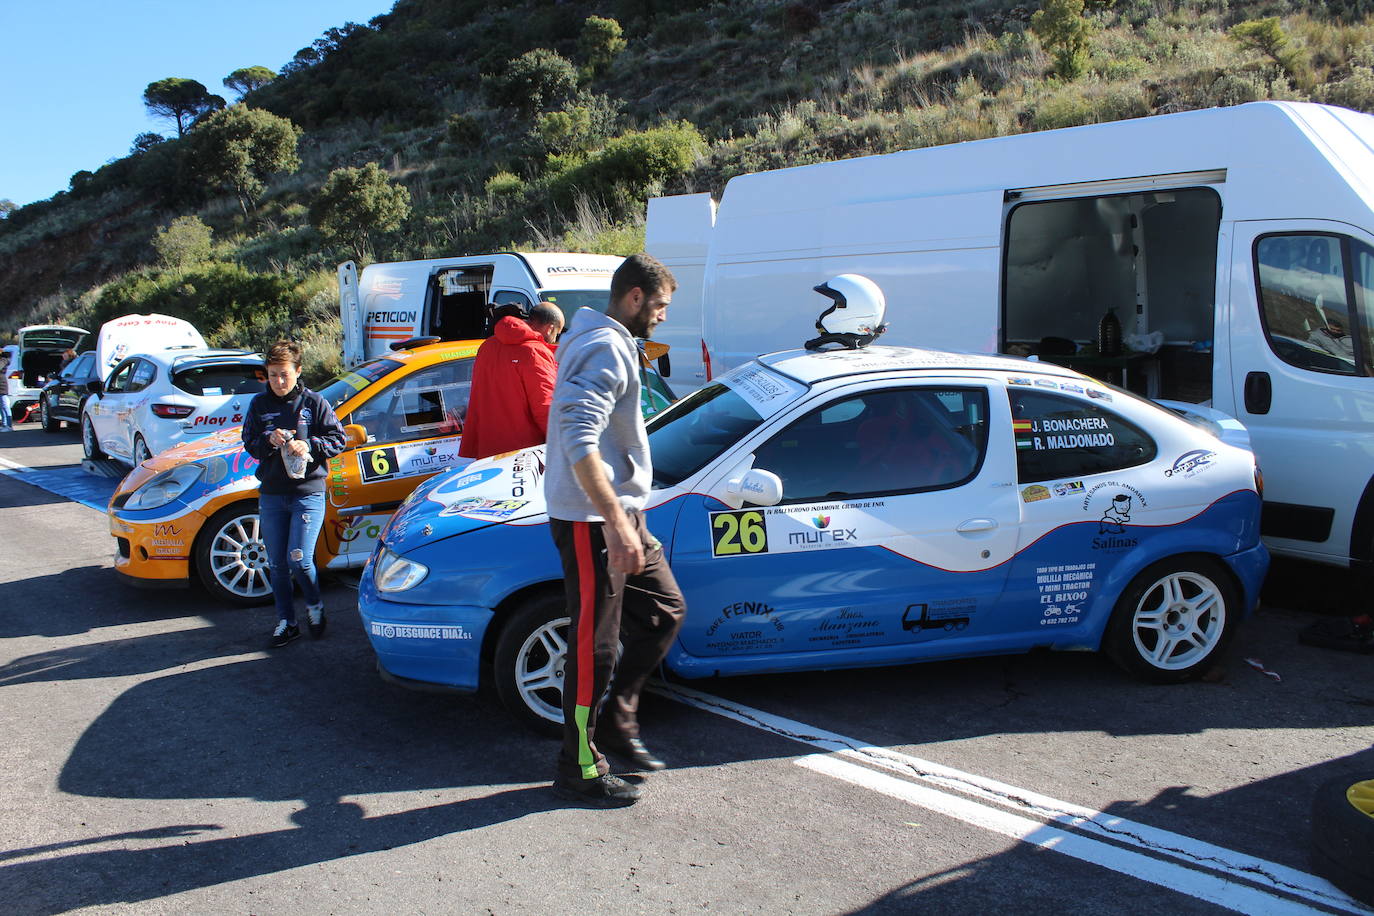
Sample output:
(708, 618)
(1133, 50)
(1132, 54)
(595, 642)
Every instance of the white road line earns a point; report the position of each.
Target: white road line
(1089, 825)
(1211, 887)
(13, 466)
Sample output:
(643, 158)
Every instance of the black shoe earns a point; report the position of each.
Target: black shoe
(283, 634)
(604, 791)
(631, 750)
(316, 621)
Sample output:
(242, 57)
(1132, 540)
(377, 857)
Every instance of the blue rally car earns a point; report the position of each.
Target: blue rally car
(843, 509)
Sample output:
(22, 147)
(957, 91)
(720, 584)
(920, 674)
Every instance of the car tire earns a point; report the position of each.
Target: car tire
(1173, 620)
(1343, 834)
(141, 451)
(90, 445)
(231, 558)
(49, 423)
(530, 655)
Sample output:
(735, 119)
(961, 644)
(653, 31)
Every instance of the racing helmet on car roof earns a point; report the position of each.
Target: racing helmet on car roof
(855, 316)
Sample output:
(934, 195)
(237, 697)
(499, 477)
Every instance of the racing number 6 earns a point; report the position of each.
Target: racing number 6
(380, 466)
(738, 532)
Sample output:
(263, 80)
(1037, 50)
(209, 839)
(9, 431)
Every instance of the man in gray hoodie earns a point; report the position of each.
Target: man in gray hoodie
(619, 588)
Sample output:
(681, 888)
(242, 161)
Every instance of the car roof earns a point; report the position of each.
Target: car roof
(809, 367)
(178, 356)
(435, 352)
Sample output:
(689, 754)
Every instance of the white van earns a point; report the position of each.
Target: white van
(1243, 237)
(131, 335)
(35, 357)
(453, 298)
(678, 233)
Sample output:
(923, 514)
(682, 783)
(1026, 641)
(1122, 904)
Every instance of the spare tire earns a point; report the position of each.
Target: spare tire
(1343, 834)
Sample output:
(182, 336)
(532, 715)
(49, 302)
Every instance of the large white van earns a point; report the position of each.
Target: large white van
(678, 233)
(130, 335)
(453, 298)
(1244, 237)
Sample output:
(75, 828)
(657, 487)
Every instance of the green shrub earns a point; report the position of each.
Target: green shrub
(504, 184)
(1355, 91)
(354, 205)
(535, 81)
(183, 243)
(629, 164)
(600, 42)
(1065, 33)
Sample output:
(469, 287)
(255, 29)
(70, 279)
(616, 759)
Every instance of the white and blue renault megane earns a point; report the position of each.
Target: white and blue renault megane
(842, 509)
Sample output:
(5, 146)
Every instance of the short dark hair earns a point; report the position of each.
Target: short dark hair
(545, 314)
(644, 271)
(284, 351)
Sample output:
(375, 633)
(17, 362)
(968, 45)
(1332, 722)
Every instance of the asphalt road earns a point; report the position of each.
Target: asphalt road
(158, 760)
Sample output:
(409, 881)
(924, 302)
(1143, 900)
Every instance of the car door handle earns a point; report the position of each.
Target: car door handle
(1259, 392)
(975, 525)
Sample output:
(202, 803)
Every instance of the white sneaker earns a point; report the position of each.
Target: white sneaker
(316, 620)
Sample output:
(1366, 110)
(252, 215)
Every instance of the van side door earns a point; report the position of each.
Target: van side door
(1301, 380)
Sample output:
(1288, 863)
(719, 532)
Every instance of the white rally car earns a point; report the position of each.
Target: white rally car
(843, 509)
(153, 401)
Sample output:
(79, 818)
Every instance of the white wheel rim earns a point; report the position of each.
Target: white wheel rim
(539, 666)
(1178, 620)
(238, 558)
(141, 453)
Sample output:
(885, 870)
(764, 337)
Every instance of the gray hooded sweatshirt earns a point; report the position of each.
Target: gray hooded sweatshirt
(596, 408)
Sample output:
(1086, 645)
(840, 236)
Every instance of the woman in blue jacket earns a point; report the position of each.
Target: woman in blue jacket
(288, 423)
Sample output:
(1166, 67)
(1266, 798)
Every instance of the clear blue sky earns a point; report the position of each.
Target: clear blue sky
(72, 72)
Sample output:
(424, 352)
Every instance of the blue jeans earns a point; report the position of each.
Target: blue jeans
(5, 419)
(290, 527)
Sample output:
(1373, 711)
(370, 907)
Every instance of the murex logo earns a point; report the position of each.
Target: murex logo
(821, 521)
(831, 536)
(1190, 463)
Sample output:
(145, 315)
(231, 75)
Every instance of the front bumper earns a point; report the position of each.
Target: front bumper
(432, 646)
(157, 554)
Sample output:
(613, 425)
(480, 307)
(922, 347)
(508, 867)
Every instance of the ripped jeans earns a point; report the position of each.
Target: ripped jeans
(290, 527)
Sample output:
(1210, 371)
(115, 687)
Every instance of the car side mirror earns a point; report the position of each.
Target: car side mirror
(95, 386)
(755, 486)
(355, 434)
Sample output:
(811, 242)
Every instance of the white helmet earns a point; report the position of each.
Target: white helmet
(856, 317)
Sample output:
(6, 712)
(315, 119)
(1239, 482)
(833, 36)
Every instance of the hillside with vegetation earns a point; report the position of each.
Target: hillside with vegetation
(455, 127)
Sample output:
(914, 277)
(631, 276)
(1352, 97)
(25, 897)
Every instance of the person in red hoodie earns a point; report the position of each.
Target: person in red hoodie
(512, 384)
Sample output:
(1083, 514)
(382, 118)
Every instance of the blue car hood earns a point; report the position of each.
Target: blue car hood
(504, 488)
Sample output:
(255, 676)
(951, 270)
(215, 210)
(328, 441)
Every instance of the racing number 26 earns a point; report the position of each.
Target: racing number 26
(737, 533)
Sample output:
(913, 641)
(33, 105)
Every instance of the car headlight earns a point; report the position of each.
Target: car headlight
(394, 573)
(165, 487)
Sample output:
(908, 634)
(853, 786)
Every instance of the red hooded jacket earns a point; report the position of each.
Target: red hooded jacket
(512, 385)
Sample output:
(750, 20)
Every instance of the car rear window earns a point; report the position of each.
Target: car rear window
(221, 379)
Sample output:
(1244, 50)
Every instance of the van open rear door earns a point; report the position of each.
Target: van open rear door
(351, 313)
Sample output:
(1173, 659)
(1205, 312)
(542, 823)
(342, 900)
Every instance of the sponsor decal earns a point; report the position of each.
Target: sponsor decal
(1046, 383)
(1099, 395)
(409, 460)
(166, 530)
(1069, 488)
(525, 472)
(1122, 501)
(209, 421)
(1190, 464)
(1055, 433)
(381, 317)
(484, 508)
(845, 627)
(1070, 386)
(399, 631)
(947, 615)
(1023, 382)
(790, 529)
(365, 529)
(1063, 590)
(764, 391)
(745, 626)
(1035, 493)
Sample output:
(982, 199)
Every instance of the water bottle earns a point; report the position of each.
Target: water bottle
(295, 464)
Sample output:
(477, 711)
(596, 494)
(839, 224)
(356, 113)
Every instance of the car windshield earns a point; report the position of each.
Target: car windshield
(693, 431)
(344, 386)
(220, 379)
(570, 300)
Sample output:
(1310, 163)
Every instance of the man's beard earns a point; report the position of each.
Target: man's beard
(641, 325)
